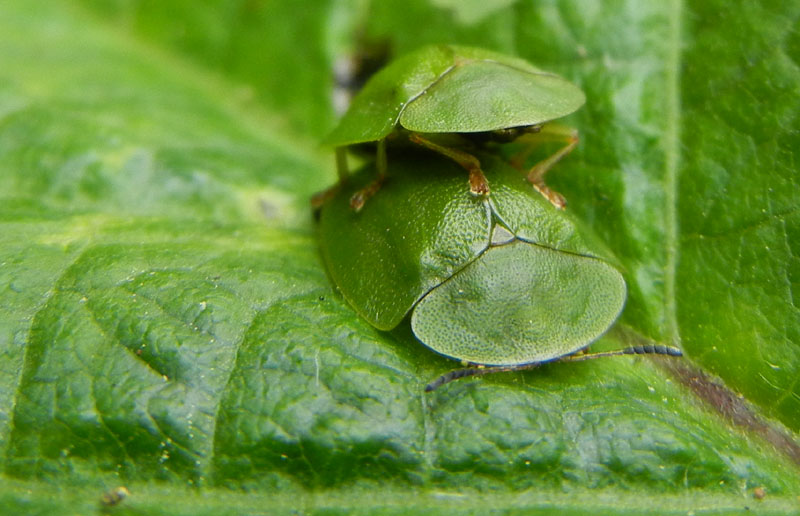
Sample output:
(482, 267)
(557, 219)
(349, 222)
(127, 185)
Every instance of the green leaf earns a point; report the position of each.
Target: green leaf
(166, 323)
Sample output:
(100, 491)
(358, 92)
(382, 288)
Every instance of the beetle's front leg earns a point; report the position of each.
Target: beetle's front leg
(360, 197)
(550, 132)
(478, 185)
(342, 169)
(320, 198)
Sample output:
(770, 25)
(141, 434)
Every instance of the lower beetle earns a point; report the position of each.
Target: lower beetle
(506, 281)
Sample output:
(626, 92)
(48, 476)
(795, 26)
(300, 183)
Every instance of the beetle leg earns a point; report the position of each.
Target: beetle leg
(478, 185)
(536, 175)
(550, 132)
(360, 197)
(341, 164)
(320, 198)
(380, 158)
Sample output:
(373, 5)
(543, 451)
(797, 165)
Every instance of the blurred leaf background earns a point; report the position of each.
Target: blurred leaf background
(166, 323)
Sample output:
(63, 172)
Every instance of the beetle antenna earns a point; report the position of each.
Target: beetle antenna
(473, 371)
(642, 349)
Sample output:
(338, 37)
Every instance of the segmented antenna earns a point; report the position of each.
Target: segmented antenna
(642, 349)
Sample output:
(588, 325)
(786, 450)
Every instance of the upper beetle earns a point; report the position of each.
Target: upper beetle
(452, 99)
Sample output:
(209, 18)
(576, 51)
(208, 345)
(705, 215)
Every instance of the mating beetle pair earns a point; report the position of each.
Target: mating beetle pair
(502, 279)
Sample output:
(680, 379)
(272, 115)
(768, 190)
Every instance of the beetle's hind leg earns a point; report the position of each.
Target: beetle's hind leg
(549, 132)
(359, 198)
(478, 185)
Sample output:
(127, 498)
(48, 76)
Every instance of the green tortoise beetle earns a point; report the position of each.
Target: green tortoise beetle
(505, 281)
(453, 99)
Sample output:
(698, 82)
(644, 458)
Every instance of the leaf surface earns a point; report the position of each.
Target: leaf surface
(166, 323)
